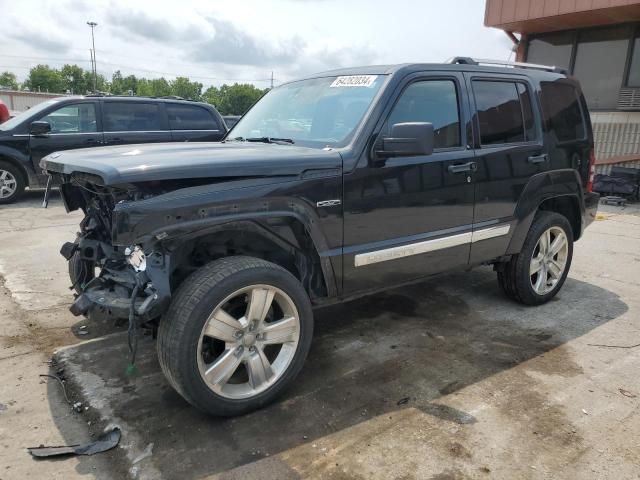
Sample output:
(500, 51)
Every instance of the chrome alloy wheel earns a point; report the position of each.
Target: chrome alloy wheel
(549, 260)
(248, 341)
(8, 184)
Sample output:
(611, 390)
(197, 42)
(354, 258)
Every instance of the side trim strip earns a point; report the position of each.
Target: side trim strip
(418, 248)
(491, 232)
(412, 249)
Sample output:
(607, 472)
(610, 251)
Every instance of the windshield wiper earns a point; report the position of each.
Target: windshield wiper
(270, 140)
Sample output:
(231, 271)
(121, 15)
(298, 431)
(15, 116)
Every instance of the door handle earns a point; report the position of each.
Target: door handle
(94, 141)
(462, 168)
(538, 158)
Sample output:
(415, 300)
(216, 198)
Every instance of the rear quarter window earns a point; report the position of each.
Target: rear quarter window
(190, 117)
(561, 111)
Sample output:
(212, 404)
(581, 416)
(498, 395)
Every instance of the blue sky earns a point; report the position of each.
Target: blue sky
(218, 42)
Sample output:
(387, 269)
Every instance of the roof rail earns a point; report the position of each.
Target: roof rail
(502, 63)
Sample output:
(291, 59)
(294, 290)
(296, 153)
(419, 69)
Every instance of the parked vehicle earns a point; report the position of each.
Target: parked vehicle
(231, 120)
(4, 112)
(340, 185)
(67, 123)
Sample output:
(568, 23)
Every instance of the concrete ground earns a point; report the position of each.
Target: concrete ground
(442, 380)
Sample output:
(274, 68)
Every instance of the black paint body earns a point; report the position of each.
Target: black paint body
(224, 191)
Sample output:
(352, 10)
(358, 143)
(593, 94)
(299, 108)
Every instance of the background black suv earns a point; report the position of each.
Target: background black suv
(67, 123)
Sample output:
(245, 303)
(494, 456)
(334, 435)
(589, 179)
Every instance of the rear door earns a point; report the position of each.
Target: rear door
(134, 122)
(509, 151)
(193, 123)
(74, 125)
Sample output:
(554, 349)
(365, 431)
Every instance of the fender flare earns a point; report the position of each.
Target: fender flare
(540, 188)
(289, 208)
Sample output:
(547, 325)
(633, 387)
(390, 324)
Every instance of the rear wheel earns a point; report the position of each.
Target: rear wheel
(12, 183)
(236, 335)
(536, 274)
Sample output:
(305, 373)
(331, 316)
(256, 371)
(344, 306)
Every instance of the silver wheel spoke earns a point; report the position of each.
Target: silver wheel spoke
(555, 269)
(543, 243)
(259, 304)
(557, 245)
(259, 368)
(541, 281)
(282, 331)
(224, 367)
(536, 265)
(3, 175)
(222, 326)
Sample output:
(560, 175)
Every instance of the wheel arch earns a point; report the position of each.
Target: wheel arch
(557, 191)
(283, 239)
(9, 156)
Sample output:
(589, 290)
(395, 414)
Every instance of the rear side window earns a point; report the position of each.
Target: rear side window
(131, 117)
(432, 101)
(190, 117)
(561, 111)
(505, 114)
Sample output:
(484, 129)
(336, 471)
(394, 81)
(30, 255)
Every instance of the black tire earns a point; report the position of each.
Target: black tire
(181, 326)
(81, 272)
(16, 173)
(514, 277)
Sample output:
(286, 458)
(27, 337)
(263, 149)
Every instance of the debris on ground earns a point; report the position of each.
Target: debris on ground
(60, 381)
(403, 401)
(613, 346)
(78, 407)
(106, 441)
(147, 452)
(627, 393)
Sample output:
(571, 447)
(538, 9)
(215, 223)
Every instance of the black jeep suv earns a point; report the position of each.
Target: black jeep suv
(67, 123)
(331, 187)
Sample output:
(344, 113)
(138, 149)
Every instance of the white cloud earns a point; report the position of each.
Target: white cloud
(223, 41)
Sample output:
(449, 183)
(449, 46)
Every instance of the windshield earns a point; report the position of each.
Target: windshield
(317, 112)
(27, 114)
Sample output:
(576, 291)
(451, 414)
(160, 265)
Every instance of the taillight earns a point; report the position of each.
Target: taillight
(592, 170)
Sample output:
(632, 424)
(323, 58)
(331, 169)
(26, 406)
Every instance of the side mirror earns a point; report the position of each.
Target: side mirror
(407, 139)
(39, 128)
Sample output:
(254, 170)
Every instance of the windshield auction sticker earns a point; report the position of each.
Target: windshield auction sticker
(354, 81)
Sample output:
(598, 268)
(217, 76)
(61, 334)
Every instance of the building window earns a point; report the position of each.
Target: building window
(634, 68)
(599, 65)
(552, 49)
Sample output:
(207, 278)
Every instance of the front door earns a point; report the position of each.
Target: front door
(409, 217)
(73, 126)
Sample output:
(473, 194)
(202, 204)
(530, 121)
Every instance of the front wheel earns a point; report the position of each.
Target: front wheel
(536, 274)
(12, 183)
(236, 335)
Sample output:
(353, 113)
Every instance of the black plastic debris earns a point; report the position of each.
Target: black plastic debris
(106, 441)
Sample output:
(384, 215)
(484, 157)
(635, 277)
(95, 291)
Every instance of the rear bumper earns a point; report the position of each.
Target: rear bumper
(591, 200)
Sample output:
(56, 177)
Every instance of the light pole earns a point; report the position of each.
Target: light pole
(95, 67)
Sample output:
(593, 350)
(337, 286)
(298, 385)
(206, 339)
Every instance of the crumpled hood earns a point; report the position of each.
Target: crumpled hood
(166, 161)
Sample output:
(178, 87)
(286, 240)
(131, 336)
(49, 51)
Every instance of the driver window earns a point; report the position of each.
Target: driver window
(79, 118)
(432, 101)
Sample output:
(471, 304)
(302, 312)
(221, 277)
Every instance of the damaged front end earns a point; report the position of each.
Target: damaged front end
(112, 280)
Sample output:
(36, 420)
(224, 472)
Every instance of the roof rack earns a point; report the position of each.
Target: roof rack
(502, 63)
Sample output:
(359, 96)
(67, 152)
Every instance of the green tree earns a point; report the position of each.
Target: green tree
(183, 87)
(8, 80)
(75, 80)
(123, 85)
(233, 99)
(101, 82)
(45, 79)
(157, 87)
